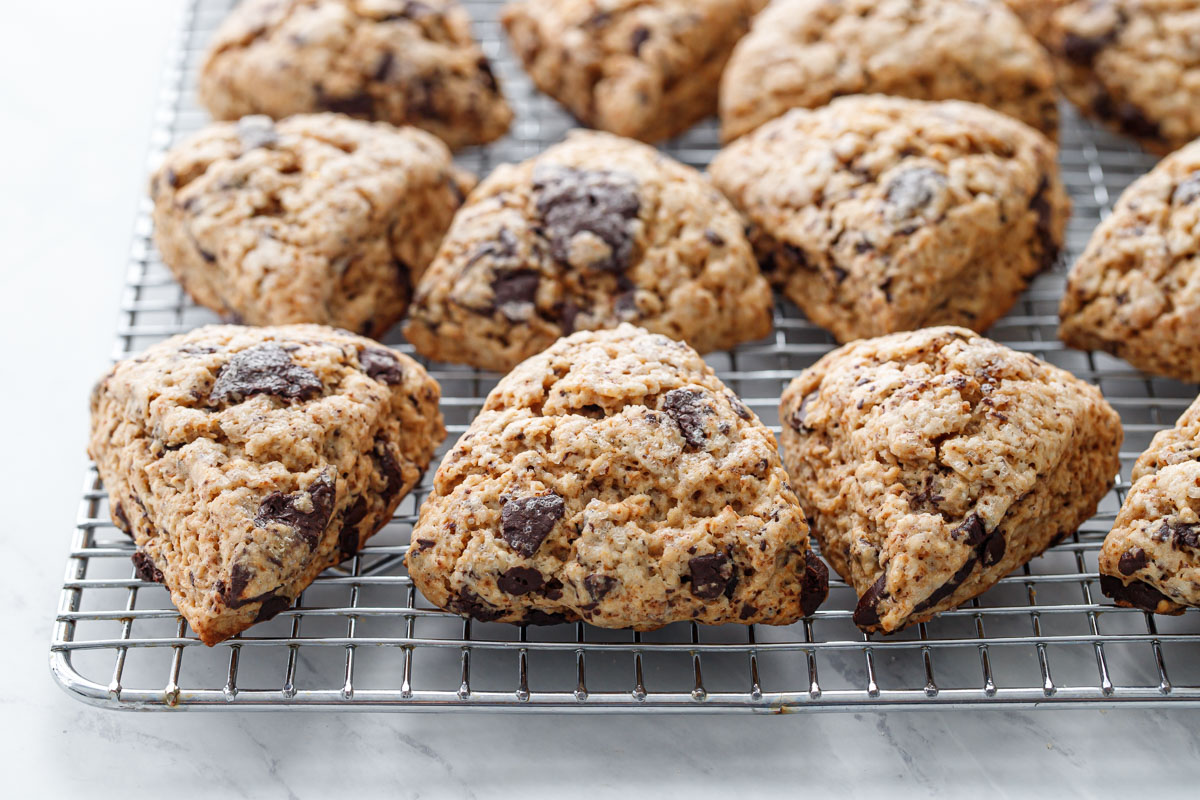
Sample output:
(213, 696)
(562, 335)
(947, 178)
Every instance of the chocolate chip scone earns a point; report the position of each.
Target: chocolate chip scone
(804, 53)
(317, 218)
(407, 62)
(879, 214)
(243, 461)
(1151, 557)
(647, 69)
(1133, 64)
(1135, 290)
(595, 231)
(933, 463)
(613, 478)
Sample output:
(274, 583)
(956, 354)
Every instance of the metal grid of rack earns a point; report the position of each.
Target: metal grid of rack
(362, 638)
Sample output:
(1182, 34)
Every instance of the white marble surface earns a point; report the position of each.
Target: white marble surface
(77, 85)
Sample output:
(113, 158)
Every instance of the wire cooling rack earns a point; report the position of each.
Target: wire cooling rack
(362, 638)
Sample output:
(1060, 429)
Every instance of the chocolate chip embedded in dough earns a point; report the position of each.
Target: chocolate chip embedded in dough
(264, 369)
(711, 575)
(525, 522)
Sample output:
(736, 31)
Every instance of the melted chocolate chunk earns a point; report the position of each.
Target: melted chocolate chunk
(948, 588)
(265, 369)
(994, 548)
(688, 408)
(143, 565)
(256, 131)
(912, 191)
(305, 512)
(122, 520)
(520, 580)
(1137, 594)
(390, 468)
(271, 607)
(738, 407)
(381, 364)
(598, 586)
(486, 76)
(1045, 229)
(972, 528)
(797, 417)
(712, 575)
(1187, 191)
(469, 604)
(1132, 560)
(1084, 49)
(815, 585)
(525, 522)
(866, 613)
(358, 104)
(604, 204)
(1182, 535)
(567, 312)
(513, 291)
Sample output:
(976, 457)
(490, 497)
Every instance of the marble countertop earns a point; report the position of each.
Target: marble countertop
(78, 81)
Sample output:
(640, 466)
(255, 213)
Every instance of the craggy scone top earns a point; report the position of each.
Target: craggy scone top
(1151, 557)
(613, 478)
(1135, 290)
(316, 218)
(878, 214)
(243, 461)
(932, 463)
(408, 62)
(804, 53)
(595, 231)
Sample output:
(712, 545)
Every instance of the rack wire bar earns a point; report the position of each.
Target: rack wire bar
(361, 637)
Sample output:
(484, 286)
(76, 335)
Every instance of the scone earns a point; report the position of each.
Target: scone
(595, 231)
(804, 53)
(407, 62)
(878, 214)
(1135, 291)
(318, 218)
(1151, 557)
(647, 69)
(613, 478)
(933, 463)
(1133, 64)
(243, 461)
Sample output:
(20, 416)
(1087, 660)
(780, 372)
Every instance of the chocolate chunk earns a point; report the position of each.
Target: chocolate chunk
(486, 76)
(305, 512)
(626, 304)
(1128, 116)
(795, 256)
(358, 104)
(797, 417)
(424, 544)
(1045, 227)
(265, 369)
(256, 131)
(520, 580)
(501, 251)
(1181, 534)
(143, 565)
(1137, 594)
(747, 612)
(384, 68)
(122, 520)
(839, 275)
(994, 548)
(972, 528)
(514, 292)
(469, 604)
(604, 204)
(711, 575)
(1084, 49)
(390, 468)
(525, 522)
(640, 34)
(714, 238)
(553, 589)
(598, 586)
(348, 537)
(738, 407)
(1187, 191)
(912, 191)
(1132, 560)
(271, 607)
(381, 364)
(815, 585)
(948, 588)
(239, 578)
(567, 312)
(866, 613)
(688, 408)
(538, 617)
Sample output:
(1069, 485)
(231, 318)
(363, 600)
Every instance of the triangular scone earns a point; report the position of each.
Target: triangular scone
(933, 463)
(1135, 291)
(881, 214)
(407, 62)
(1151, 557)
(317, 218)
(805, 53)
(595, 231)
(613, 478)
(243, 461)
